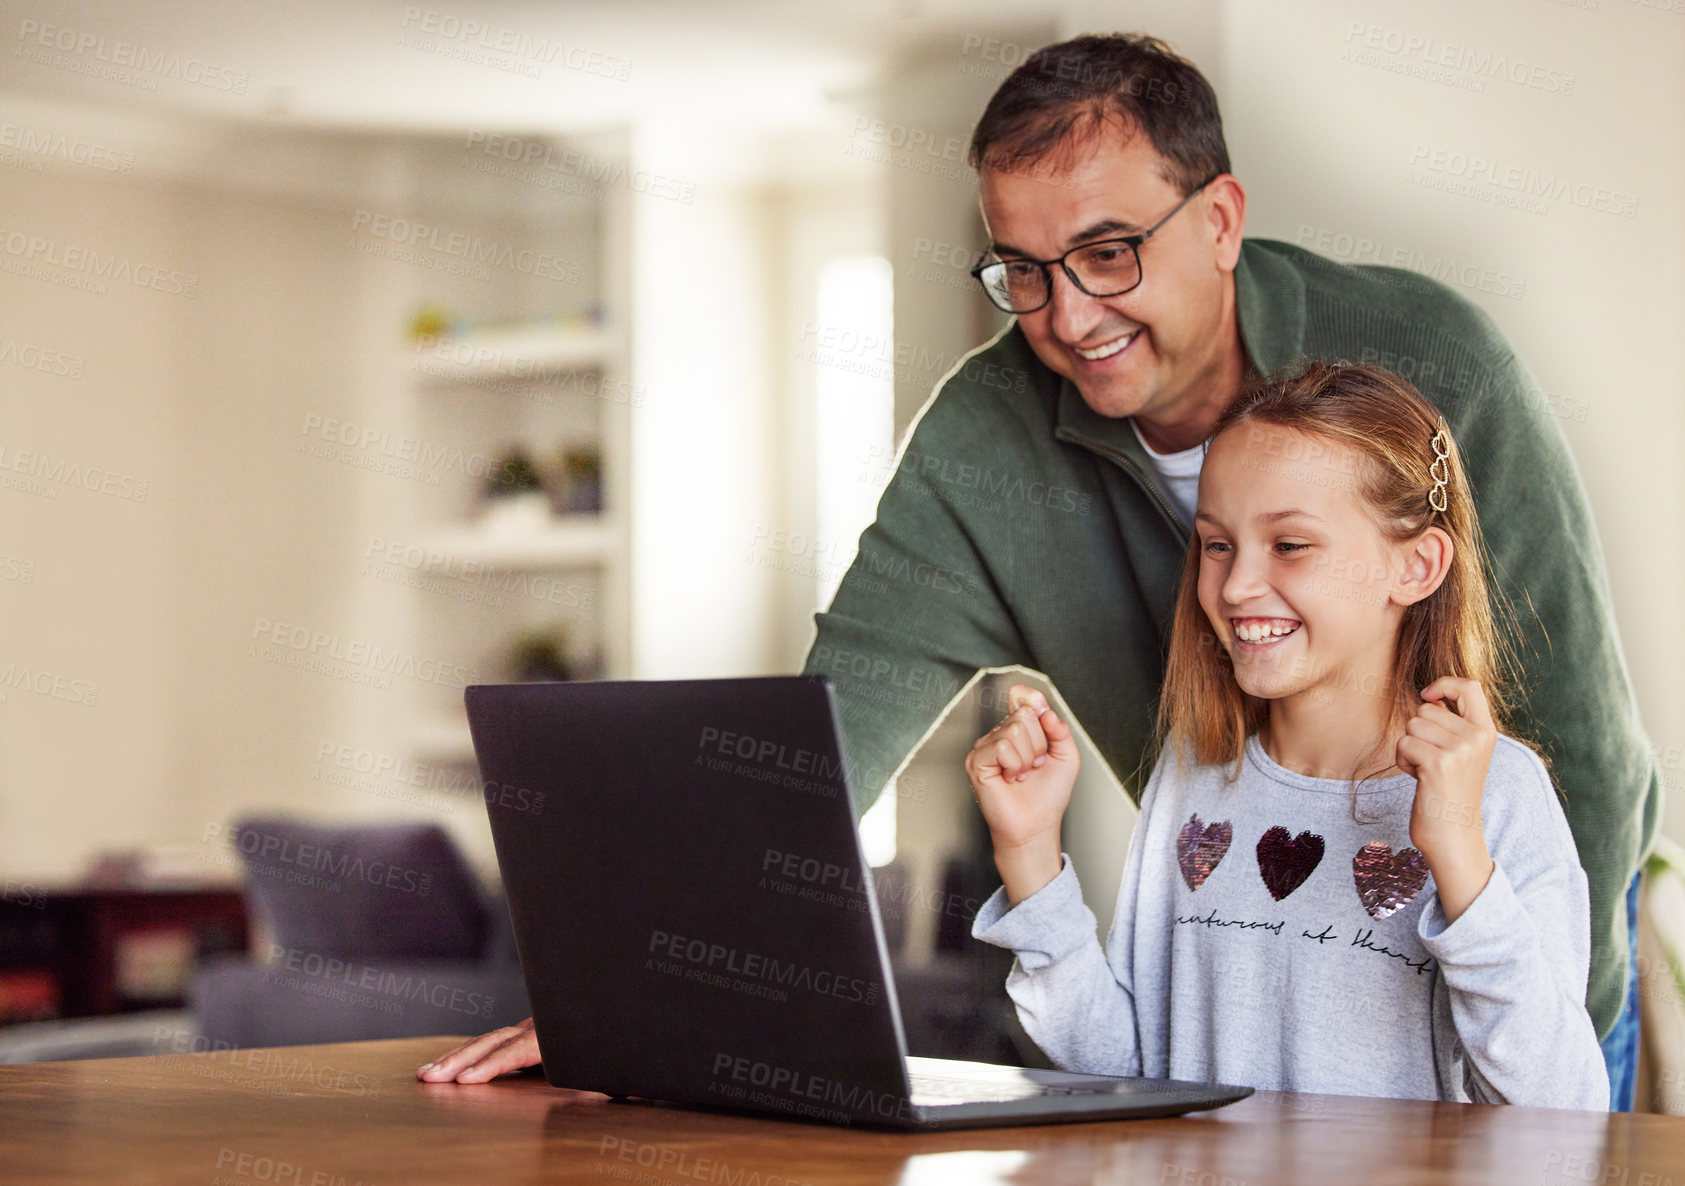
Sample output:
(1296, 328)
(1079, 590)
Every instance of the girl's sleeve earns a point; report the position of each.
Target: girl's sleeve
(1516, 961)
(1076, 1002)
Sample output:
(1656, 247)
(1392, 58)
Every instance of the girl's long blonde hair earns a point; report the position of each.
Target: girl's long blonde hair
(1390, 427)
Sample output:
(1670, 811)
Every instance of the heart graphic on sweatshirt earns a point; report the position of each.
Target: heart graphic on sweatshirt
(1387, 880)
(1285, 861)
(1200, 847)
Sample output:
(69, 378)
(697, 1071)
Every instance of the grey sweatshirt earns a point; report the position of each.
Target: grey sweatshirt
(1264, 938)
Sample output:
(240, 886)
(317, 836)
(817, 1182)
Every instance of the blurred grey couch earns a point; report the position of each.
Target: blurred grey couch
(373, 931)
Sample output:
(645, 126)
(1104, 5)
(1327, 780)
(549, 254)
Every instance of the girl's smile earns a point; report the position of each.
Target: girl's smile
(1260, 634)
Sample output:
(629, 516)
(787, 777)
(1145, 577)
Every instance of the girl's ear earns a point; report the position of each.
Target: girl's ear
(1426, 563)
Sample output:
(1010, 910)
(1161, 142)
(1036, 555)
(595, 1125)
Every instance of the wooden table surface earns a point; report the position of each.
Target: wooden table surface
(353, 1113)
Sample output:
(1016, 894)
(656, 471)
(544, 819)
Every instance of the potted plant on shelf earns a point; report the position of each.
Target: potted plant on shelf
(514, 494)
(540, 655)
(577, 488)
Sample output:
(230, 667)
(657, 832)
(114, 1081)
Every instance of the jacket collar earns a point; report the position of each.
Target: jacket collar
(1270, 305)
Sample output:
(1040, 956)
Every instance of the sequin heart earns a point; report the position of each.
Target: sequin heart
(1285, 861)
(1200, 847)
(1386, 881)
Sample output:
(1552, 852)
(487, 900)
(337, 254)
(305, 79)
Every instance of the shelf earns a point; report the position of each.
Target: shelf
(587, 540)
(549, 371)
(520, 353)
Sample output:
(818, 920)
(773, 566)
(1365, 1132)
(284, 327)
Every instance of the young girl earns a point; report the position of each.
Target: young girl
(1344, 878)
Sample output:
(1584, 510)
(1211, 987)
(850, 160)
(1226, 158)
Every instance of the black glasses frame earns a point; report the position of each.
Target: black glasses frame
(1133, 242)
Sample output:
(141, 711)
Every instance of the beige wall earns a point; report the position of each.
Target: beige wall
(155, 601)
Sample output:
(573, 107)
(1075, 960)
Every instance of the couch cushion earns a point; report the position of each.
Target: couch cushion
(239, 1003)
(398, 890)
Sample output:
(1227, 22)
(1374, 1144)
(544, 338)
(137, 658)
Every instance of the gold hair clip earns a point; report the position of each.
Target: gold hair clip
(1440, 470)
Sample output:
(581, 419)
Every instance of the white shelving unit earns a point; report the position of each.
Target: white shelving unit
(538, 370)
(567, 540)
(511, 353)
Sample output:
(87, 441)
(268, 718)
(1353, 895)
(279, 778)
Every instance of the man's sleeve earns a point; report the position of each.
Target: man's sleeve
(1573, 695)
(917, 614)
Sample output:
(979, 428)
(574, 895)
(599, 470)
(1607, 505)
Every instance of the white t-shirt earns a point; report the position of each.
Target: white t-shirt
(1178, 473)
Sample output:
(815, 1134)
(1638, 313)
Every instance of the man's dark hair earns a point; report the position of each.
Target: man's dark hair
(1064, 93)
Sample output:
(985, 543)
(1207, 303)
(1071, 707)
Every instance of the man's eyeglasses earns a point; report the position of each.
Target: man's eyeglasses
(1104, 268)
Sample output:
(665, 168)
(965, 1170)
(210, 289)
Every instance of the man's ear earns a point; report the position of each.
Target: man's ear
(1424, 563)
(1226, 212)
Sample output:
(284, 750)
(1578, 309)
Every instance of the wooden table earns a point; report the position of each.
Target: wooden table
(353, 1113)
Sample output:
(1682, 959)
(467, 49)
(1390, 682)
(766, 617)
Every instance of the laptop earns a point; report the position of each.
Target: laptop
(696, 921)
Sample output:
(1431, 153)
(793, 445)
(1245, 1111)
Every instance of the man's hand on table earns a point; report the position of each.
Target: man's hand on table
(512, 1048)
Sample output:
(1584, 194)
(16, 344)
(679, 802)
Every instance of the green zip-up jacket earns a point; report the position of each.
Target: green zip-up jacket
(1019, 526)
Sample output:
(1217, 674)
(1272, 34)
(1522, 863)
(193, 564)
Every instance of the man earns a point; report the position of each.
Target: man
(1053, 472)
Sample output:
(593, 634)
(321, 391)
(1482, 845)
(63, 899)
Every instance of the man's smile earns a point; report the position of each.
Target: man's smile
(1106, 349)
